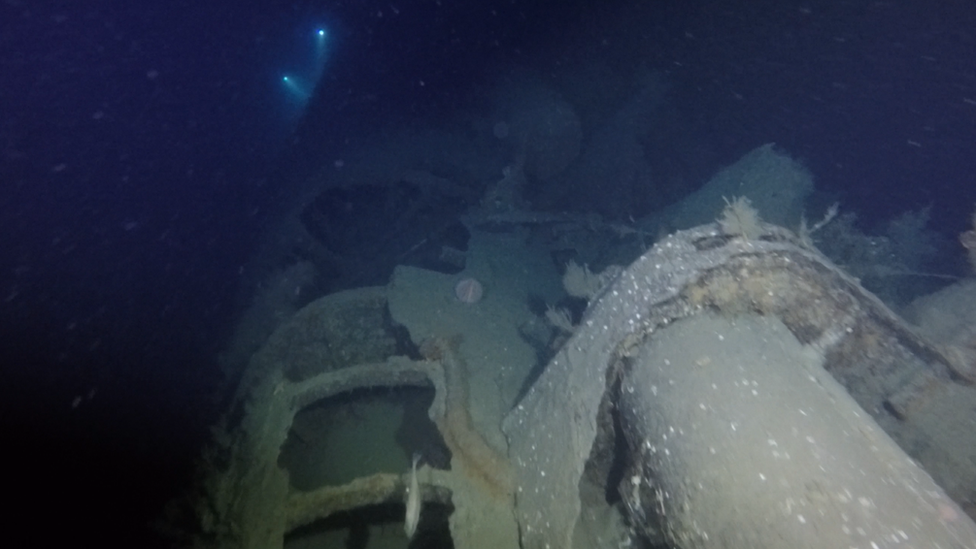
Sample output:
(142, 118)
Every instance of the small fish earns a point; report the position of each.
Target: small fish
(413, 501)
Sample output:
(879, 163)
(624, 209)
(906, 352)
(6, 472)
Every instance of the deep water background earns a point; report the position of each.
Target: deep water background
(144, 146)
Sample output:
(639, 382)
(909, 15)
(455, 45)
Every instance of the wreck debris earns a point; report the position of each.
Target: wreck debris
(473, 457)
(563, 438)
(246, 499)
(303, 508)
(702, 271)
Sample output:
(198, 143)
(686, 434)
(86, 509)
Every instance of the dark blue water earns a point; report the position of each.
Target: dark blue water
(145, 146)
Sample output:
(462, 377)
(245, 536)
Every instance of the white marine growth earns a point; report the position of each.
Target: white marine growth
(413, 501)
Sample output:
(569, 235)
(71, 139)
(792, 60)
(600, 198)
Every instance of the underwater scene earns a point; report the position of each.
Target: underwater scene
(489, 274)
